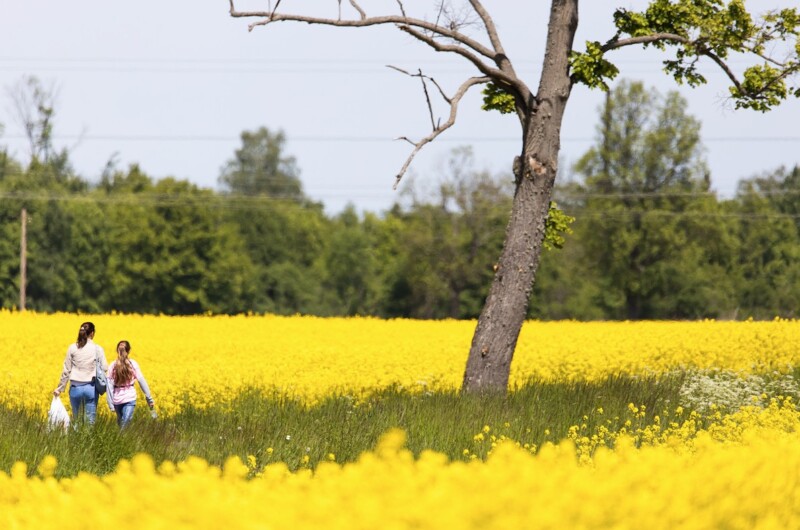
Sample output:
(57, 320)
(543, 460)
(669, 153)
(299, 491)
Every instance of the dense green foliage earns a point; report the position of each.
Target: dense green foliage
(652, 240)
(649, 238)
(713, 30)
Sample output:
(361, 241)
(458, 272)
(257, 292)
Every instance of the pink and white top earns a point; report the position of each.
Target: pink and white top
(124, 391)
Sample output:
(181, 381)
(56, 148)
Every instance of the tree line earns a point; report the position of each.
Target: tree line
(650, 239)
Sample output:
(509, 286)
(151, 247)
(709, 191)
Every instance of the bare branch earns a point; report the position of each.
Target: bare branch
(358, 8)
(441, 92)
(488, 23)
(501, 59)
(440, 13)
(454, 19)
(725, 68)
(399, 70)
(614, 44)
(439, 47)
(767, 58)
(428, 100)
(455, 100)
(510, 80)
(274, 9)
(420, 74)
(491, 63)
(422, 78)
(402, 9)
(272, 16)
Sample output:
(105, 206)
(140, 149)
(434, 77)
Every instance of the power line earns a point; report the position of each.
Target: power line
(205, 199)
(661, 194)
(337, 193)
(216, 200)
(272, 60)
(350, 139)
(685, 214)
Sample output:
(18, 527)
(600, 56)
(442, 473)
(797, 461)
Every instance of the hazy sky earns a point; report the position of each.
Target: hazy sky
(171, 85)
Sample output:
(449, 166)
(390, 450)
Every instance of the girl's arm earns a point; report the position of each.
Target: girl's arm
(145, 389)
(110, 384)
(143, 385)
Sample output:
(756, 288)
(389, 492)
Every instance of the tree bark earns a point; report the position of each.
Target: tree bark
(499, 324)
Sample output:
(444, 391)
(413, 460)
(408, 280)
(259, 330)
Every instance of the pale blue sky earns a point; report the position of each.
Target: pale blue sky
(172, 84)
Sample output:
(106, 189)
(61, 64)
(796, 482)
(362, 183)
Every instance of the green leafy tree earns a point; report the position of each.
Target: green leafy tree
(567, 285)
(54, 280)
(694, 29)
(450, 240)
(648, 214)
(10, 228)
(282, 231)
(260, 167)
(351, 261)
(283, 240)
(770, 246)
(171, 249)
(7, 163)
(780, 187)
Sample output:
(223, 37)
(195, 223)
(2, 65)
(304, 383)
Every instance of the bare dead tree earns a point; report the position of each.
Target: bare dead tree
(34, 109)
(703, 29)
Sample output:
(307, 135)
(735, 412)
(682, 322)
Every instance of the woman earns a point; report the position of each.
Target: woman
(80, 367)
(122, 374)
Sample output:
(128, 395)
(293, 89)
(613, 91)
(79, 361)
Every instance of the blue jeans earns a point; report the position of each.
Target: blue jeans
(83, 400)
(124, 413)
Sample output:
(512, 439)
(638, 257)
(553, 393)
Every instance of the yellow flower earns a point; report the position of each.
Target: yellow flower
(47, 466)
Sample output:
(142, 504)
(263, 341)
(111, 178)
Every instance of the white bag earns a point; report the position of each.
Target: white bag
(57, 416)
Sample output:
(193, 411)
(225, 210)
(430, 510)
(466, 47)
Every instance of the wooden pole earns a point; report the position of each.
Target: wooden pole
(23, 259)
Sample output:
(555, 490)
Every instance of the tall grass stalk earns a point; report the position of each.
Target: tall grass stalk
(273, 428)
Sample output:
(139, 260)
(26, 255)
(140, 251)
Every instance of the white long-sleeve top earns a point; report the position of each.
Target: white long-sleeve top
(79, 364)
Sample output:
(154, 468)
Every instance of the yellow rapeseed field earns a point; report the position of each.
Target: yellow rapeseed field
(736, 471)
(208, 359)
(743, 474)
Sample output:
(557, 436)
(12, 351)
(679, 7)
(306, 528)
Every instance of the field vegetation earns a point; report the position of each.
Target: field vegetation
(358, 423)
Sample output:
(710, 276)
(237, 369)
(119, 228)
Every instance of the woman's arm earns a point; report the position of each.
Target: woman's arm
(66, 370)
(101, 354)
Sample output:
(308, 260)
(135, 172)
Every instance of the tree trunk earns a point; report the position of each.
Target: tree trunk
(500, 321)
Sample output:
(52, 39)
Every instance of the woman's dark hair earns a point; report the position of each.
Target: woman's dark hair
(122, 374)
(87, 328)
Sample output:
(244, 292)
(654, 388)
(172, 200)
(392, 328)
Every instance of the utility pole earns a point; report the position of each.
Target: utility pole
(23, 259)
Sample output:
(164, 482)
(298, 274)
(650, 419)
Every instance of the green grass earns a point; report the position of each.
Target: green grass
(443, 421)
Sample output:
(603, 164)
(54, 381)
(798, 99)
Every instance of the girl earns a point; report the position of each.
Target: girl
(122, 373)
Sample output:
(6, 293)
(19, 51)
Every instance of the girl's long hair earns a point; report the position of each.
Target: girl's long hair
(123, 369)
(87, 328)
